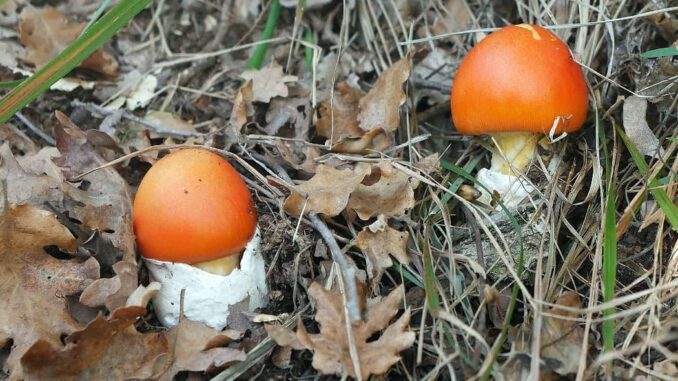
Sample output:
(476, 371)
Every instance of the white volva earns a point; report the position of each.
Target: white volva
(208, 297)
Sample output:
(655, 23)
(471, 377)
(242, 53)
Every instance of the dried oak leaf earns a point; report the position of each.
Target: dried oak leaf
(327, 192)
(47, 32)
(33, 284)
(106, 205)
(106, 350)
(379, 247)
(268, 82)
(338, 121)
(392, 195)
(331, 348)
(380, 108)
(198, 348)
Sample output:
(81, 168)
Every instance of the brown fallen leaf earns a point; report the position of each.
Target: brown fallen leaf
(338, 121)
(47, 32)
(338, 117)
(170, 123)
(106, 205)
(242, 107)
(112, 292)
(25, 186)
(392, 195)
(106, 350)
(457, 16)
(380, 108)
(283, 336)
(560, 341)
(371, 142)
(327, 192)
(17, 139)
(198, 348)
(331, 348)
(379, 247)
(300, 156)
(268, 82)
(33, 284)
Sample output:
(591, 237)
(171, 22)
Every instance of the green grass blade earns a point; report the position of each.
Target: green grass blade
(10, 84)
(609, 248)
(71, 57)
(308, 51)
(257, 58)
(429, 274)
(667, 205)
(661, 52)
(520, 264)
(468, 168)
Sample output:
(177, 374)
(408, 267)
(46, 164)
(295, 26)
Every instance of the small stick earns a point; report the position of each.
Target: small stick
(347, 271)
(42, 134)
(91, 107)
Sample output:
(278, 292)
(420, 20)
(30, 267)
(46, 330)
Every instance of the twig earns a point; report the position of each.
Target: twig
(91, 107)
(347, 271)
(42, 134)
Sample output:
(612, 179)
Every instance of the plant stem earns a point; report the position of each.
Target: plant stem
(257, 58)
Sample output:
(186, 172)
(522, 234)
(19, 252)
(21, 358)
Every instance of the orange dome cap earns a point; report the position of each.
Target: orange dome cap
(519, 79)
(193, 206)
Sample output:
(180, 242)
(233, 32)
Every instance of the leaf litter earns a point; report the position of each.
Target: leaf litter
(363, 164)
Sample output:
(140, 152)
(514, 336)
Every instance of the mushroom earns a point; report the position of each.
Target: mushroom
(518, 84)
(193, 218)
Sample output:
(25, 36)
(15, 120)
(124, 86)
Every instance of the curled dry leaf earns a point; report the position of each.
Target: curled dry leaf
(170, 123)
(107, 204)
(331, 347)
(300, 156)
(283, 336)
(107, 349)
(338, 117)
(34, 284)
(379, 247)
(198, 348)
(327, 192)
(392, 195)
(25, 186)
(560, 338)
(268, 82)
(242, 107)
(47, 32)
(636, 126)
(380, 108)
(112, 292)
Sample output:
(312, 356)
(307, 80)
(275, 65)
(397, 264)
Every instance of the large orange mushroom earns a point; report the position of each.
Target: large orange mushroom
(518, 84)
(196, 227)
(193, 207)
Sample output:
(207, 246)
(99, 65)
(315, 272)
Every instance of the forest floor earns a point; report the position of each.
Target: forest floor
(367, 198)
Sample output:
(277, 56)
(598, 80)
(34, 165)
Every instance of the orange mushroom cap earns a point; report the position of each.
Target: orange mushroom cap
(193, 206)
(519, 79)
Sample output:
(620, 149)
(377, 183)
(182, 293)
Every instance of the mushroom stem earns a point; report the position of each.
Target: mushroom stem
(220, 266)
(514, 151)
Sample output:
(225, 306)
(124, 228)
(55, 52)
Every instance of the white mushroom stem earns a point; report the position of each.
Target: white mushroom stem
(209, 297)
(515, 150)
(221, 266)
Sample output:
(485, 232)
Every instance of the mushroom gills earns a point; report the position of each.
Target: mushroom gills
(219, 266)
(514, 151)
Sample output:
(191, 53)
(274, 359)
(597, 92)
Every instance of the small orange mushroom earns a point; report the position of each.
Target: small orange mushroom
(518, 84)
(193, 207)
